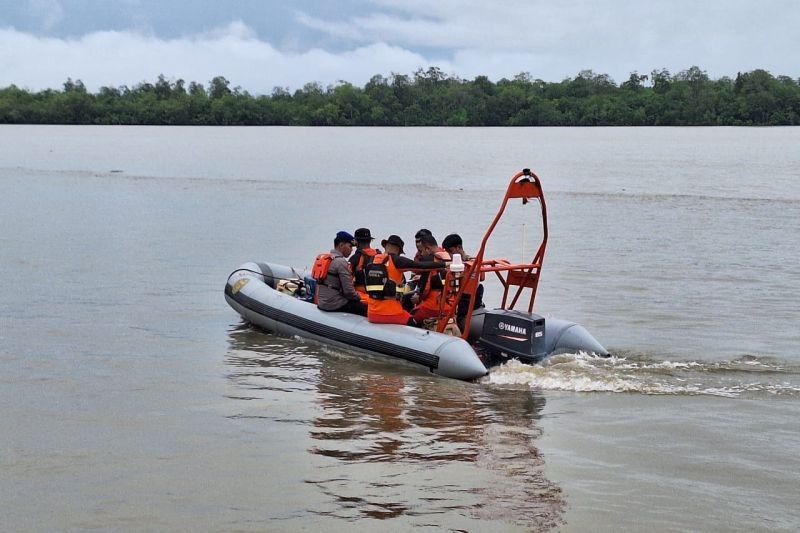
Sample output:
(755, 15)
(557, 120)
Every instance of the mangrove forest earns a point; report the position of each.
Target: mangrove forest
(426, 98)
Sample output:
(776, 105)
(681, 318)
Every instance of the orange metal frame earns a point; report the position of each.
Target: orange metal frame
(527, 186)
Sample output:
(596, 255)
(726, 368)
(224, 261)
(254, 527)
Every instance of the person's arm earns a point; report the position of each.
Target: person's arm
(354, 260)
(346, 281)
(405, 263)
(422, 285)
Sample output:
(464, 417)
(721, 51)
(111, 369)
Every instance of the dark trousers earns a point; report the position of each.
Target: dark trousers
(357, 308)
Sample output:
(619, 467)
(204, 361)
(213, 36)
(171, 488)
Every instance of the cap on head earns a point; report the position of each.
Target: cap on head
(394, 239)
(454, 239)
(343, 236)
(363, 235)
(422, 232)
(428, 240)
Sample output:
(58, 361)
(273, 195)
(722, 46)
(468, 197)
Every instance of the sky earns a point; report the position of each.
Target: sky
(262, 44)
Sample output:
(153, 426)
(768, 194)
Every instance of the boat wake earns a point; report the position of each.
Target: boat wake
(745, 377)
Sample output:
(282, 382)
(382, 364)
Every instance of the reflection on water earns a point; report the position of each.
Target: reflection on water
(401, 445)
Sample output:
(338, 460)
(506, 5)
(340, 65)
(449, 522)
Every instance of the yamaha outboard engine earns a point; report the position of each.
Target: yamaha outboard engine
(507, 334)
(514, 335)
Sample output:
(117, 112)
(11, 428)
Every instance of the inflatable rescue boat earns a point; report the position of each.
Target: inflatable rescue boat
(279, 299)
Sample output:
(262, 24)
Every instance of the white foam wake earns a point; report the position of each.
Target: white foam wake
(586, 373)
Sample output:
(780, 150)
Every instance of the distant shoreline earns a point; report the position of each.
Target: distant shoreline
(426, 98)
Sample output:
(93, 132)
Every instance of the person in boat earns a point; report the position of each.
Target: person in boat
(418, 242)
(428, 292)
(385, 283)
(453, 244)
(362, 257)
(411, 286)
(421, 255)
(335, 289)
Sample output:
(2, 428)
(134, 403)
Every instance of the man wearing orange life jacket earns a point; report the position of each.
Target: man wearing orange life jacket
(455, 245)
(335, 291)
(429, 288)
(421, 255)
(385, 282)
(362, 257)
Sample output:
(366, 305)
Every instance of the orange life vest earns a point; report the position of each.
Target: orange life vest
(365, 253)
(431, 293)
(365, 257)
(321, 265)
(388, 305)
(471, 283)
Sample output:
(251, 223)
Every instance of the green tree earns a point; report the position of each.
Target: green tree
(428, 97)
(218, 88)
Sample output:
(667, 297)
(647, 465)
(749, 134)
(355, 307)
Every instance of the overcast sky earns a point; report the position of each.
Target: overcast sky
(261, 44)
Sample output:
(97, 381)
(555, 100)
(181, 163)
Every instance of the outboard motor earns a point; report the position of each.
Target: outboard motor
(509, 334)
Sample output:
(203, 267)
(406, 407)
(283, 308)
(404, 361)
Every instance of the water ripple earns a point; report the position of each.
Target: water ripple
(748, 376)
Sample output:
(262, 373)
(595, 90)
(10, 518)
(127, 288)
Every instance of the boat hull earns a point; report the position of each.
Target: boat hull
(252, 291)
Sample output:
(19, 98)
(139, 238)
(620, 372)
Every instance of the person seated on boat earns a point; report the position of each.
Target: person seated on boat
(361, 258)
(421, 255)
(418, 242)
(335, 290)
(428, 293)
(455, 245)
(385, 283)
(411, 285)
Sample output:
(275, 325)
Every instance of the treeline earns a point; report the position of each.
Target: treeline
(427, 98)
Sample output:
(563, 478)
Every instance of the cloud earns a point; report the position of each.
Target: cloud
(466, 38)
(518, 26)
(125, 58)
(561, 38)
(236, 29)
(48, 12)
